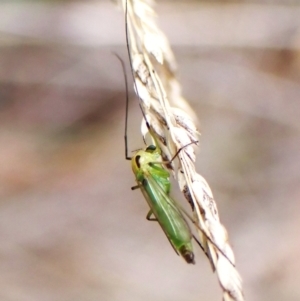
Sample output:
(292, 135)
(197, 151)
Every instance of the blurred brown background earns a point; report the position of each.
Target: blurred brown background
(70, 227)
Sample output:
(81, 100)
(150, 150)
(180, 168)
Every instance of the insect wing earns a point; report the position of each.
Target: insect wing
(165, 210)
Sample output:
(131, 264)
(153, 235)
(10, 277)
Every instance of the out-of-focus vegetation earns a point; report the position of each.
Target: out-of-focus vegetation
(70, 227)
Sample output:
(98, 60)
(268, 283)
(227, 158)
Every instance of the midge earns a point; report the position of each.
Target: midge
(154, 182)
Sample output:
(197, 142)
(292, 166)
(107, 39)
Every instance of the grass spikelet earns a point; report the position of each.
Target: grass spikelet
(172, 121)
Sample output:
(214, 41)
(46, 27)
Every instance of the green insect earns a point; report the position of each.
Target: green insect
(154, 182)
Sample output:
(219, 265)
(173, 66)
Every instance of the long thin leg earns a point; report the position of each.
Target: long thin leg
(206, 253)
(193, 142)
(198, 242)
(170, 161)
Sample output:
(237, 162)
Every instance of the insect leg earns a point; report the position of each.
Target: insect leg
(148, 217)
(206, 253)
(170, 161)
(193, 142)
(136, 187)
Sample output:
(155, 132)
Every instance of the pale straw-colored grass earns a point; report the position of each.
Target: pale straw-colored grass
(172, 122)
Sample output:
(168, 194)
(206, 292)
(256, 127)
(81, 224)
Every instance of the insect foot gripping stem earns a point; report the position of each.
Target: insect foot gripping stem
(187, 254)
